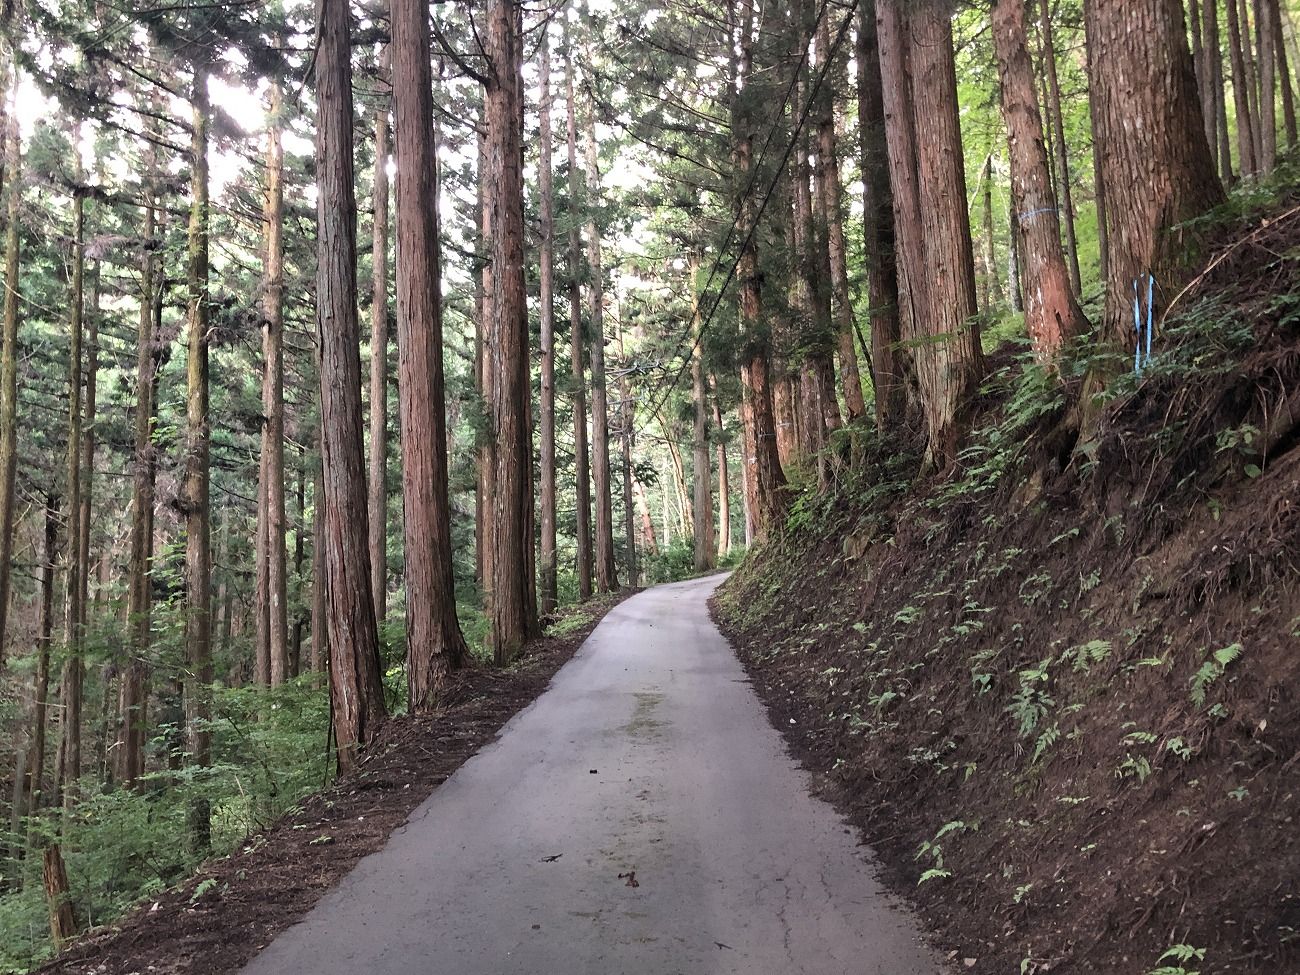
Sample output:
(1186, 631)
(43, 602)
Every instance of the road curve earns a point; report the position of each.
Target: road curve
(649, 755)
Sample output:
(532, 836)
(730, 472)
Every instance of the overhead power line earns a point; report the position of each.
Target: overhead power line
(767, 197)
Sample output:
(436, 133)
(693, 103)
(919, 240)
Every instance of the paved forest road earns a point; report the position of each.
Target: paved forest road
(649, 753)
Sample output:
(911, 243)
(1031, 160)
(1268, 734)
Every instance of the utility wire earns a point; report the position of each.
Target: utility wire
(767, 197)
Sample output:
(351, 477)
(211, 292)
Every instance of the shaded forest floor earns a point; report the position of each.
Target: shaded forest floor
(1062, 700)
(230, 909)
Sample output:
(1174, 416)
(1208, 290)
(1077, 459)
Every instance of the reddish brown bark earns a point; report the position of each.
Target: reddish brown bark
(356, 694)
(63, 924)
(1155, 160)
(1052, 315)
(936, 262)
(506, 344)
(378, 483)
(434, 644)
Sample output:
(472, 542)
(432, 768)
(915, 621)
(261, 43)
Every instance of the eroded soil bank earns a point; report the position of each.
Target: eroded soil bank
(1059, 690)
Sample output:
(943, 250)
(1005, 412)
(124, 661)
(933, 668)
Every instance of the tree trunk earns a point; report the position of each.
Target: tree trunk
(1064, 184)
(35, 788)
(320, 637)
(1052, 315)
(990, 252)
(828, 172)
(9, 372)
(765, 478)
(299, 553)
(63, 925)
(548, 567)
(1250, 54)
(378, 499)
(198, 542)
(1283, 71)
(1241, 91)
(648, 537)
(434, 644)
(724, 479)
(506, 344)
(134, 694)
(812, 306)
(705, 556)
(356, 693)
(484, 491)
(1204, 53)
(627, 416)
(1217, 105)
(787, 433)
(606, 572)
(577, 353)
(277, 622)
(938, 271)
(1156, 163)
(1266, 46)
(75, 590)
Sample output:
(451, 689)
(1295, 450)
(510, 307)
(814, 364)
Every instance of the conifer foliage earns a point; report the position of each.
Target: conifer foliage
(648, 271)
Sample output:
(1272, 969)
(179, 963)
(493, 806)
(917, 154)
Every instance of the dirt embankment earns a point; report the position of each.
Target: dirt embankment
(218, 919)
(1065, 706)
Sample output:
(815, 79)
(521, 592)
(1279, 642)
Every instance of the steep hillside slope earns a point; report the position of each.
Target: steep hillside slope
(1064, 704)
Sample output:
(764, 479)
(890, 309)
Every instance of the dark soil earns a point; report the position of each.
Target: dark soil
(232, 908)
(1015, 689)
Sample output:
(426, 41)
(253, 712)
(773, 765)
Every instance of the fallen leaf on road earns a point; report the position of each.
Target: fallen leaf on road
(631, 878)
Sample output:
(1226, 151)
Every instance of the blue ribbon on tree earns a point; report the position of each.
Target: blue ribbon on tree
(1142, 358)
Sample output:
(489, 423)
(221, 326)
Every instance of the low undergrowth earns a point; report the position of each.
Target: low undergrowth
(1060, 691)
(271, 755)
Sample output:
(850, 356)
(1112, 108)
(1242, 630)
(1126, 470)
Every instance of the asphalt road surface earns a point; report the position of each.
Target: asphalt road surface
(641, 817)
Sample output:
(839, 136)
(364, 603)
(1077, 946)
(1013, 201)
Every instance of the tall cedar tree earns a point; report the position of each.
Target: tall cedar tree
(273, 620)
(1052, 315)
(9, 366)
(578, 352)
(828, 174)
(134, 692)
(936, 272)
(765, 479)
(357, 694)
(198, 519)
(434, 644)
(548, 568)
(606, 573)
(75, 590)
(878, 225)
(379, 355)
(506, 346)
